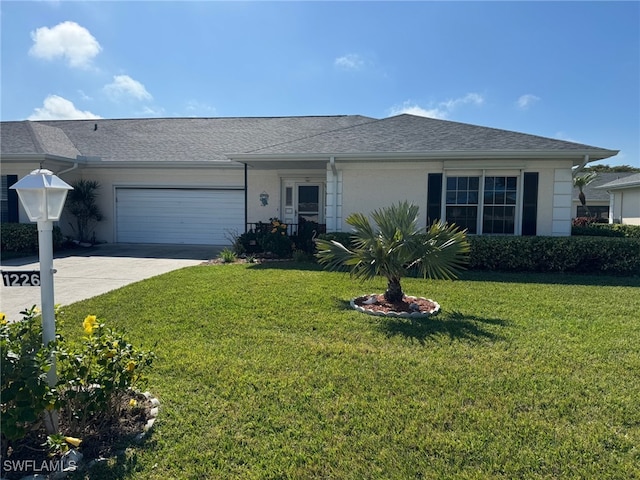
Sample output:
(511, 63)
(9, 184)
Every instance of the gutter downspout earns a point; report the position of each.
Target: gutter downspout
(334, 207)
(246, 215)
(579, 168)
(75, 165)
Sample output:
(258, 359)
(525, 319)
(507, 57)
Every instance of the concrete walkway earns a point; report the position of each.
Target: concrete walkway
(85, 273)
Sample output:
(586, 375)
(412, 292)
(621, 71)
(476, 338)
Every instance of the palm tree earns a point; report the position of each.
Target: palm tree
(81, 203)
(581, 182)
(396, 248)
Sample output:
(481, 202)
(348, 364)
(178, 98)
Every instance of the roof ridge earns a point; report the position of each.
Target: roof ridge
(34, 136)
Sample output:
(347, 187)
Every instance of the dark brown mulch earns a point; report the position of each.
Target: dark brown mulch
(103, 442)
(382, 305)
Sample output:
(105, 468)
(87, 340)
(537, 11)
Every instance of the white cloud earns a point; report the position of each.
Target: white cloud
(67, 40)
(442, 110)
(350, 61)
(525, 101)
(125, 86)
(58, 108)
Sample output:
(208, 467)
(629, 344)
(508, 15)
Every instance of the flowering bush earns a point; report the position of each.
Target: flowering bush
(269, 238)
(92, 379)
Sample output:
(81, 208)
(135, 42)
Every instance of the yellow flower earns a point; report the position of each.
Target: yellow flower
(73, 441)
(133, 403)
(3, 319)
(90, 324)
(131, 365)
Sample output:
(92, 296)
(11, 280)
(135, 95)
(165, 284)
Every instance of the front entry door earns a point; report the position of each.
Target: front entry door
(303, 200)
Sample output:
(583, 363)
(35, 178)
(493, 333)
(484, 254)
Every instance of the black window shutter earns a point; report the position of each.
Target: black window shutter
(434, 197)
(12, 200)
(530, 203)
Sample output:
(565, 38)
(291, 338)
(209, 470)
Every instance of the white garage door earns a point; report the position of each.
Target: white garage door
(179, 216)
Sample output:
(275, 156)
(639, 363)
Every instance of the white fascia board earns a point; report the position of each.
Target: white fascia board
(163, 165)
(577, 155)
(620, 186)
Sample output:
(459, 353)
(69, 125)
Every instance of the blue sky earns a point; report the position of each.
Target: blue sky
(566, 70)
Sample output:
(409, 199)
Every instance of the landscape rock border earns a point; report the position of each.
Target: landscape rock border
(394, 314)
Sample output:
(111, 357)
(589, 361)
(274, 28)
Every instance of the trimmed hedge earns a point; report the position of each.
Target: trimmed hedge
(591, 255)
(612, 256)
(607, 230)
(23, 237)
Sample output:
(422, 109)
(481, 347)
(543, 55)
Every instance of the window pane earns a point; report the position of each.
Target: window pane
(511, 198)
(500, 183)
(511, 183)
(462, 198)
(474, 183)
(473, 198)
(488, 197)
(463, 216)
(488, 183)
(451, 198)
(451, 183)
(498, 199)
(463, 183)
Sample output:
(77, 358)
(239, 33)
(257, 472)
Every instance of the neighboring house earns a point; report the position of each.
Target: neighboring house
(597, 199)
(198, 180)
(624, 199)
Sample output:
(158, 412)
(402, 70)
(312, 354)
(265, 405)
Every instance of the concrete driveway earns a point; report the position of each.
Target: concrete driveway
(87, 272)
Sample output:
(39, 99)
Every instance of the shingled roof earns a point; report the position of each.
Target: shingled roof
(632, 180)
(167, 139)
(224, 139)
(413, 134)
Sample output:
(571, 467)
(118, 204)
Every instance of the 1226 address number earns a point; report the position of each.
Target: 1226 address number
(21, 279)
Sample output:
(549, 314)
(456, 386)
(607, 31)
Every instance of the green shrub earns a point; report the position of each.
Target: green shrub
(94, 379)
(269, 238)
(615, 256)
(606, 230)
(25, 393)
(23, 237)
(227, 256)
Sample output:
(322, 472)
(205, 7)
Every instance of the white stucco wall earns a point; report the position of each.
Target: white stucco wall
(627, 206)
(367, 187)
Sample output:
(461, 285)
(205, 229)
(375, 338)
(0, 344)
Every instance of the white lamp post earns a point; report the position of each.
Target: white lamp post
(42, 195)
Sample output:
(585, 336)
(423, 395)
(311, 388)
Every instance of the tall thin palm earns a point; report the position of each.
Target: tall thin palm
(581, 182)
(396, 248)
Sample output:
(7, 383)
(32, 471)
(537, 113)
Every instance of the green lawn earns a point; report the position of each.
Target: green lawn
(264, 372)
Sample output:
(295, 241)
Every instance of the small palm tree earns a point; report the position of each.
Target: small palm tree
(581, 182)
(396, 248)
(81, 203)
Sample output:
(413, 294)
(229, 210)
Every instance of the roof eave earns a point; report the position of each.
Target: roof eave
(577, 155)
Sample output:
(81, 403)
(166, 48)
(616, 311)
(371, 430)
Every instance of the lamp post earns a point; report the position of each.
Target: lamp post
(42, 195)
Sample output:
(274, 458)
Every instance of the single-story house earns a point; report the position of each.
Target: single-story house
(200, 180)
(597, 199)
(624, 199)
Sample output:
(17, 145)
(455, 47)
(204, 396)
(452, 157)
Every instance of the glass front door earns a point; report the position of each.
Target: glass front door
(302, 201)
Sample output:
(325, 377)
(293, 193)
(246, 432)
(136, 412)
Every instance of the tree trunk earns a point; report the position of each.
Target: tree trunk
(394, 291)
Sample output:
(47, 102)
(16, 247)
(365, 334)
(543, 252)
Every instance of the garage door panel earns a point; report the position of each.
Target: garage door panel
(180, 216)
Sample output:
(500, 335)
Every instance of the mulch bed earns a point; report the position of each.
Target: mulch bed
(382, 305)
(105, 442)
